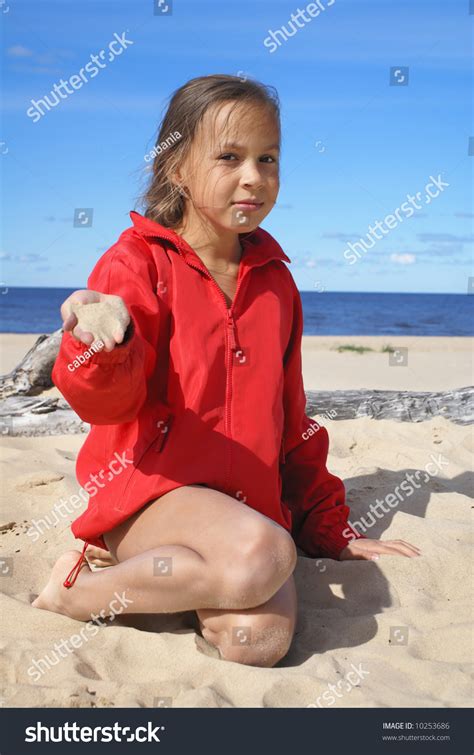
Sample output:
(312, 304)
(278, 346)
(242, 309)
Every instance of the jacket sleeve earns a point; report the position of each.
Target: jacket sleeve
(109, 388)
(315, 497)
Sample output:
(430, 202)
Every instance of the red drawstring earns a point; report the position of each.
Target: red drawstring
(72, 576)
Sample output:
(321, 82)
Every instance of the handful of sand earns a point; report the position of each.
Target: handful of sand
(107, 320)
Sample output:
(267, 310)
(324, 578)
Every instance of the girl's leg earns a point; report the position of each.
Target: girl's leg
(267, 630)
(258, 636)
(192, 548)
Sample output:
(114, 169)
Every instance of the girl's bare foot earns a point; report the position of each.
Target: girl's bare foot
(55, 597)
(99, 556)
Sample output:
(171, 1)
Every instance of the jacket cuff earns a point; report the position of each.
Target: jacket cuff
(118, 354)
(330, 543)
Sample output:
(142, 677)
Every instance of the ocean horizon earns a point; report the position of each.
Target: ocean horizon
(329, 313)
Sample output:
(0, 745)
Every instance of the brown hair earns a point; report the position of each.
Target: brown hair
(163, 200)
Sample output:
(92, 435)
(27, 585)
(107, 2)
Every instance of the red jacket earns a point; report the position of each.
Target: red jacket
(200, 393)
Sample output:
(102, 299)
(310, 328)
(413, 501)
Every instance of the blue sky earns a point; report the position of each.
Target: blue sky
(353, 146)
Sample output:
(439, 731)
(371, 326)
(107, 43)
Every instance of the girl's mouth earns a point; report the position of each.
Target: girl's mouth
(248, 206)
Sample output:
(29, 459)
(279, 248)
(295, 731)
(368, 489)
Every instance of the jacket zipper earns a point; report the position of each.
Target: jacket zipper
(231, 341)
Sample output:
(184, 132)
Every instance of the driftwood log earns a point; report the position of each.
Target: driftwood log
(24, 412)
(23, 415)
(33, 374)
(402, 406)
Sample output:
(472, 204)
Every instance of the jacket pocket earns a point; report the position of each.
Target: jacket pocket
(164, 426)
(155, 445)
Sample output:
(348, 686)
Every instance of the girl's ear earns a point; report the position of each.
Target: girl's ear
(179, 183)
(181, 189)
(177, 180)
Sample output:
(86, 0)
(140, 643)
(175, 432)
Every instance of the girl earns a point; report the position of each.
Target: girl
(198, 396)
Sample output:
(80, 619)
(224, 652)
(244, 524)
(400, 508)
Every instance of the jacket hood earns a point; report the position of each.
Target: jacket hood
(258, 245)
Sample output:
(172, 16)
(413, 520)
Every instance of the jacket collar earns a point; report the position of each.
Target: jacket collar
(259, 247)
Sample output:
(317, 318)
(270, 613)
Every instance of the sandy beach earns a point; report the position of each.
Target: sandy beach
(404, 624)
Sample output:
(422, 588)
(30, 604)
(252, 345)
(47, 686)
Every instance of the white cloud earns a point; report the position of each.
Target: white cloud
(403, 259)
(18, 51)
(26, 60)
(31, 257)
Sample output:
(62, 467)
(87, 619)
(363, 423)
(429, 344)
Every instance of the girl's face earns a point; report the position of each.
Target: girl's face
(234, 159)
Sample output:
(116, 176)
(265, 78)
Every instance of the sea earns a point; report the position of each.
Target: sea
(327, 313)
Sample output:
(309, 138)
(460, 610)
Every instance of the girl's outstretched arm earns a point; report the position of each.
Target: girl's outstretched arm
(110, 387)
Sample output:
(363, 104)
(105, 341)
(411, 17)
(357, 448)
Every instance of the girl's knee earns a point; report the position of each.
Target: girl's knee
(256, 570)
(252, 644)
(270, 539)
(270, 559)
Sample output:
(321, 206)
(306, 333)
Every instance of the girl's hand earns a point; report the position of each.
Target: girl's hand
(92, 316)
(369, 550)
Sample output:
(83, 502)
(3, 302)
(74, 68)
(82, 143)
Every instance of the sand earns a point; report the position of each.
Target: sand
(102, 319)
(404, 624)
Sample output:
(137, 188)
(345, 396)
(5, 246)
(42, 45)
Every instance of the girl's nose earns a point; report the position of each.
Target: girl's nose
(251, 175)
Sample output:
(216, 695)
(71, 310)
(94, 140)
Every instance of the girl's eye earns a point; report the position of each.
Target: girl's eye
(230, 157)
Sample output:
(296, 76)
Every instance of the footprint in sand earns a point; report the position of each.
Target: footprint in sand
(68, 455)
(38, 480)
(85, 669)
(7, 527)
(21, 528)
